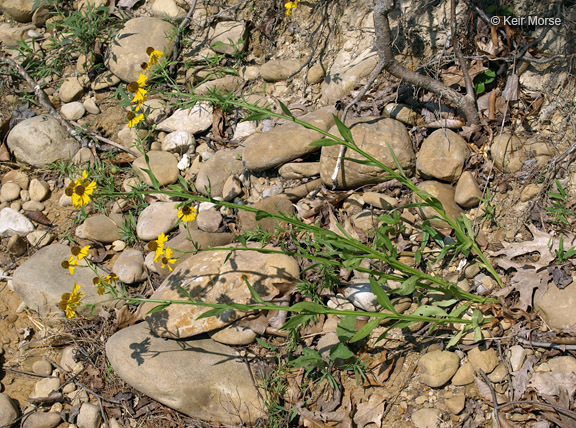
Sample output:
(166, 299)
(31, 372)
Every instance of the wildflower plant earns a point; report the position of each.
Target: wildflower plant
(81, 190)
(290, 5)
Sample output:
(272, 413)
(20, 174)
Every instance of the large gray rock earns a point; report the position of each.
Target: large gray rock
(198, 377)
(371, 134)
(442, 156)
(40, 281)
(216, 170)
(41, 140)
(128, 49)
(216, 277)
(265, 150)
(197, 118)
(130, 266)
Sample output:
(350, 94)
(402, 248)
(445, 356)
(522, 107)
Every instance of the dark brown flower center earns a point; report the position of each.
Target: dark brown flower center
(186, 210)
(130, 115)
(65, 264)
(149, 50)
(69, 191)
(79, 190)
(164, 260)
(144, 65)
(152, 245)
(96, 280)
(75, 250)
(133, 87)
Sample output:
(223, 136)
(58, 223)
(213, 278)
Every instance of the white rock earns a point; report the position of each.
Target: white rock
(130, 267)
(517, 356)
(157, 218)
(12, 222)
(184, 163)
(193, 120)
(245, 129)
(90, 106)
(39, 238)
(178, 141)
(72, 111)
(44, 387)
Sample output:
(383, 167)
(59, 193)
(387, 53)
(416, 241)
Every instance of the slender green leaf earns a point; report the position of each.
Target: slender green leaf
(158, 308)
(344, 130)
(285, 109)
(365, 330)
(381, 295)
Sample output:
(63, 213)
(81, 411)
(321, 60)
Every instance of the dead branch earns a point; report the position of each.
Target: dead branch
(384, 46)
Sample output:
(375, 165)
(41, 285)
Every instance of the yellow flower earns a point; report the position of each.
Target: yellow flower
(155, 56)
(158, 246)
(290, 5)
(102, 283)
(133, 119)
(70, 301)
(80, 190)
(76, 255)
(187, 213)
(137, 88)
(167, 259)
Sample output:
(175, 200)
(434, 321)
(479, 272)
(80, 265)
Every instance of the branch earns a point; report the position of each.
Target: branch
(384, 46)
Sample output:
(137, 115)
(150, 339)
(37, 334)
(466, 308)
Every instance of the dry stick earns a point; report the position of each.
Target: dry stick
(110, 142)
(26, 372)
(43, 99)
(384, 46)
(458, 52)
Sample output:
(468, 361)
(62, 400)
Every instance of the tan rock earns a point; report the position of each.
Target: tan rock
(437, 367)
(442, 156)
(467, 193)
(445, 194)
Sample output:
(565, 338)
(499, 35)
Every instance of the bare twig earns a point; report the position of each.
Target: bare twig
(384, 45)
(43, 99)
(494, 397)
(25, 372)
(458, 52)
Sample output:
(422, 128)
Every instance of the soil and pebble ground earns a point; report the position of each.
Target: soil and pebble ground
(113, 112)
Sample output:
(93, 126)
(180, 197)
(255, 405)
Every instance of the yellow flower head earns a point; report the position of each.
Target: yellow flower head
(158, 246)
(137, 88)
(187, 213)
(134, 119)
(167, 259)
(290, 5)
(80, 190)
(76, 255)
(106, 281)
(154, 55)
(70, 301)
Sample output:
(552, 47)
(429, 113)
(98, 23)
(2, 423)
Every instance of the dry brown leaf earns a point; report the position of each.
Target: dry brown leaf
(555, 384)
(370, 411)
(525, 281)
(542, 243)
(484, 391)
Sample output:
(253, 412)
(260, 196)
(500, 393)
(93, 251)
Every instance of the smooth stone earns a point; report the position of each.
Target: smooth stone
(18, 177)
(556, 307)
(315, 74)
(445, 194)
(529, 191)
(486, 360)
(42, 367)
(198, 377)
(298, 170)
(89, 416)
(212, 276)
(456, 403)
(71, 90)
(178, 141)
(517, 355)
(10, 191)
(372, 135)
(425, 418)
(45, 386)
(380, 200)
(101, 228)
(42, 420)
(276, 70)
(223, 85)
(275, 204)
(209, 220)
(33, 206)
(128, 49)
(499, 373)
(467, 193)
(245, 129)
(157, 218)
(90, 106)
(235, 335)
(194, 119)
(14, 223)
(442, 156)
(104, 81)
(72, 111)
(40, 238)
(163, 165)
(167, 8)
(228, 37)
(40, 281)
(284, 143)
(509, 152)
(215, 171)
(9, 409)
(39, 190)
(129, 266)
(19, 10)
(437, 367)
(68, 358)
(360, 294)
(464, 375)
(41, 140)
(365, 220)
(10, 36)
